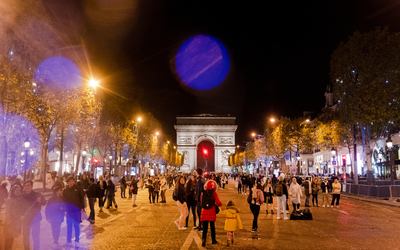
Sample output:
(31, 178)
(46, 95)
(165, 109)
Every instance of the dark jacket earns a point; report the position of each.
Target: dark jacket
(123, 182)
(31, 208)
(101, 192)
(134, 184)
(327, 185)
(181, 194)
(190, 196)
(85, 184)
(92, 191)
(199, 187)
(150, 186)
(73, 197)
(55, 209)
(306, 185)
(111, 190)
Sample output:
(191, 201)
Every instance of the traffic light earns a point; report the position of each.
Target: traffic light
(205, 152)
(344, 160)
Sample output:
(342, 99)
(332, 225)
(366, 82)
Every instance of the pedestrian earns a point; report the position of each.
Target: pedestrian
(244, 184)
(256, 200)
(164, 188)
(295, 194)
(141, 183)
(191, 199)
(180, 196)
(307, 187)
(123, 186)
(111, 195)
(14, 213)
(91, 193)
(200, 181)
(60, 182)
(224, 180)
(156, 191)
(55, 212)
(150, 186)
(268, 195)
(33, 202)
(281, 194)
(73, 197)
(239, 185)
(133, 187)
(101, 192)
(3, 193)
(315, 188)
(326, 189)
(210, 201)
(232, 221)
(336, 187)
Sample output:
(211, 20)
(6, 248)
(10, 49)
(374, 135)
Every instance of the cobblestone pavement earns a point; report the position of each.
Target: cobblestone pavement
(354, 225)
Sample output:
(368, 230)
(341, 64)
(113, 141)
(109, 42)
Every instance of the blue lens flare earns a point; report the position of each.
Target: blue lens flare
(58, 72)
(202, 62)
(23, 144)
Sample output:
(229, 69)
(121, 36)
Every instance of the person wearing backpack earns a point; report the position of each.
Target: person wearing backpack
(134, 189)
(180, 196)
(281, 193)
(257, 199)
(210, 200)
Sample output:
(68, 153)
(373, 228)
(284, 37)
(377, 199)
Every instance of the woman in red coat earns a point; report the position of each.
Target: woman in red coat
(209, 215)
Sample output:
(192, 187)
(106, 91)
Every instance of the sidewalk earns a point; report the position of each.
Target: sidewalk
(392, 203)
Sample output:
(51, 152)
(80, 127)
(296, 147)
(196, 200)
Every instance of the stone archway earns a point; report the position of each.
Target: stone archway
(201, 163)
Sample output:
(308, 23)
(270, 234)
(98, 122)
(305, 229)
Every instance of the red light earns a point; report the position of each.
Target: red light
(205, 151)
(343, 157)
(95, 160)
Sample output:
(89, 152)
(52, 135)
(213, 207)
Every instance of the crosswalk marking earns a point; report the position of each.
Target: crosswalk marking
(192, 236)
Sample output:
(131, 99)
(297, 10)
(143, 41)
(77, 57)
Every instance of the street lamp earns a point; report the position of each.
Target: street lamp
(93, 83)
(272, 120)
(26, 145)
(157, 133)
(333, 151)
(139, 119)
(110, 157)
(389, 144)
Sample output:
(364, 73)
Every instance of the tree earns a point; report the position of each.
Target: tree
(365, 73)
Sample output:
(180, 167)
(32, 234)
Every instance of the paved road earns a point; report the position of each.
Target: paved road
(354, 225)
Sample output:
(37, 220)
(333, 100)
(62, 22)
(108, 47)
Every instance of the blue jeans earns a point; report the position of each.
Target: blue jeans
(73, 220)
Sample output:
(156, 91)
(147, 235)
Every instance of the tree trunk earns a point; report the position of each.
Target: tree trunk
(60, 169)
(78, 160)
(44, 164)
(355, 167)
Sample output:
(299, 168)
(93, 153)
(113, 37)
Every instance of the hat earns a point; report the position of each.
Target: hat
(210, 184)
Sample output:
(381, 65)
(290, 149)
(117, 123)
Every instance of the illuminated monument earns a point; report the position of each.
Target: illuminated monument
(206, 141)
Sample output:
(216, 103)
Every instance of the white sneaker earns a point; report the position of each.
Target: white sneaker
(337, 206)
(278, 218)
(323, 205)
(182, 228)
(327, 205)
(286, 218)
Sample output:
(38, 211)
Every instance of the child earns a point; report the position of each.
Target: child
(232, 221)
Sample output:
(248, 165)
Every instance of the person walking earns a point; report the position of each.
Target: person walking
(91, 193)
(239, 185)
(191, 199)
(281, 194)
(164, 188)
(73, 198)
(200, 181)
(3, 193)
(232, 221)
(134, 190)
(181, 203)
(55, 212)
(208, 211)
(111, 195)
(224, 181)
(326, 189)
(295, 194)
(123, 187)
(14, 213)
(101, 192)
(244, 184)
(307, 187)
(156, 191)
(257, 199)
(268, 195)
(33, 202)
(315, 187)
(336, 187)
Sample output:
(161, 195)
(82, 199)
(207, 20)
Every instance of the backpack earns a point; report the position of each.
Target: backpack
(279, 189)
(208, 199)
(175, 194)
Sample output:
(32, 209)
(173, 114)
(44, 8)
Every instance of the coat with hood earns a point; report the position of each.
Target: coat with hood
(210, 214)
(257, 196)
(232, 221)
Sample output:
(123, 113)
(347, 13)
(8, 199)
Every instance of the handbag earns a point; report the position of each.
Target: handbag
(216, 209)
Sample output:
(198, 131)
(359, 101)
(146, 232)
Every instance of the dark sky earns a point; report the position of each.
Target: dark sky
(279, 50)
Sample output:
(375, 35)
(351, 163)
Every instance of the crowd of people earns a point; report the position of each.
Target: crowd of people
(194, 193)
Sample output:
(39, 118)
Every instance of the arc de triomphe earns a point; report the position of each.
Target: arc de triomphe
(206, 140)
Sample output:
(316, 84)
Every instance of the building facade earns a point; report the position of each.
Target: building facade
(206, 141)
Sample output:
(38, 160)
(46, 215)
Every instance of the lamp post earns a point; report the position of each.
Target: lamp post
(298, 164)
(389, 144)
(83, 160)
(26, 145)
(110, 157)
(380, 155)
(333, 151)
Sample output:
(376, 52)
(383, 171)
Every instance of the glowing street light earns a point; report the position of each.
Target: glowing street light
(93, 83)
(139, 119)
(308, 120)
(168, 142)
(272, 120)
(157, 133)
(253, 134)
(237, 146)
(27, 143)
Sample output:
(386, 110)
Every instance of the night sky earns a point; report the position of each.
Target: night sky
(279, 51)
